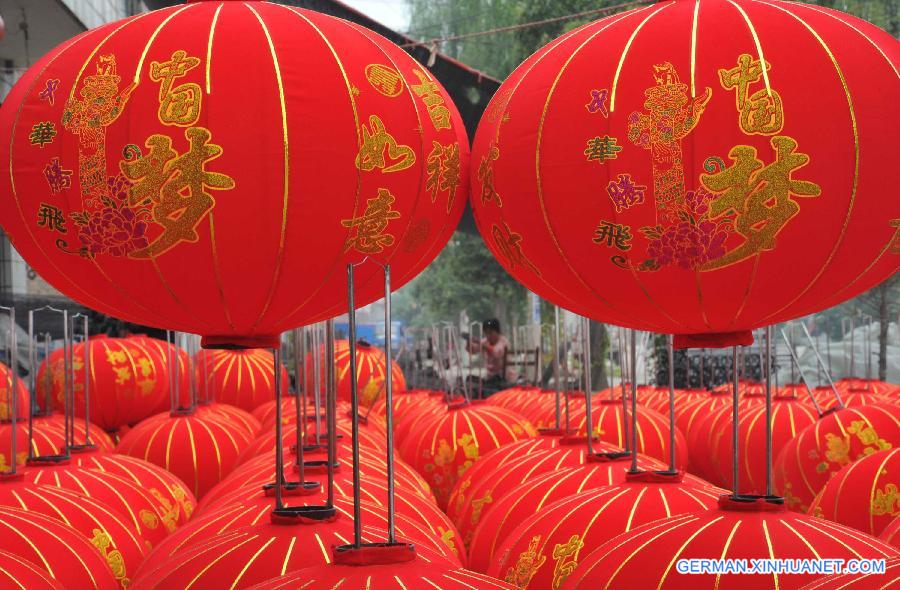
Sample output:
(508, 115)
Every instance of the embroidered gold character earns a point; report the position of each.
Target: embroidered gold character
(368, 230)
(176, 186)
(376, 140)
(761, 112)
(178, 105)
(758, 195)
(427, 89)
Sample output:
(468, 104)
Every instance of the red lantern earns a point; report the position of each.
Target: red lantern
(863, 581)
(443, 447)
(127, 381)
(720, 209)
(862, 495)
(544, 550)
(142, 510)
(806, 463)
(160, 204)
(535, 404)
(420, 573)
(23, 401)
(646, 557)
(406, 403)
(789, 417)
(370, 372)
(264, 444)
(175, 501)
(493, 462)
(242, 378)
(199, 449)
(56, 549)
(652, 430)
(475, 501)
(851, 397)
(890, 533)
(250, 555)
(171, 356)
(232, 415)
(48, 438)
(21, 573)
(529, 500)
(105, 528)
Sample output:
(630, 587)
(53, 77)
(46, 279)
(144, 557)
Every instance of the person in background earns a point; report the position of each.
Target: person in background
(494, 346)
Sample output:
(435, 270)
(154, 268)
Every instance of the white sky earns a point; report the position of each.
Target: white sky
(392, 13)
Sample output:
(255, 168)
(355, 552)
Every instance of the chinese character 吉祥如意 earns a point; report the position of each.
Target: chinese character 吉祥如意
(442, 168)
(375, 141)
(428, 91)
(368, 235)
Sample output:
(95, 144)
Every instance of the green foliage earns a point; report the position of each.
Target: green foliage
(464, 277)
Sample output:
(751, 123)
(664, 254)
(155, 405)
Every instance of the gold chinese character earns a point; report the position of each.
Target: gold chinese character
(123, 374)
(42, 133)
(176, 186)
(566, 557)
(759, 196)
(114, 558)
(894, 247)
(116, 357)
(371, 153)
(761, 112)
(384, 79)
(369, 236)
(430, 93)
(178, 105)
(485, 176)
(509, 244)
(52, 218)
(442, 168)
(528, 564)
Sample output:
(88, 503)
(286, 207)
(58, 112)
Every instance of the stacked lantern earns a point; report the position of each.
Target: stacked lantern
(370, 372)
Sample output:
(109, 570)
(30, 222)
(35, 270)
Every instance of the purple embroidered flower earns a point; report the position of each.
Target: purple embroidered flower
(687, 245)
(116, 232)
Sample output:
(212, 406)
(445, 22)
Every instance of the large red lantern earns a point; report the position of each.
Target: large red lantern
(142, 510)
(60, 551)
(545, 549)
(444, 447)
(175, 501)
(653, 432)
(199, 449)
(370, 372)
(18, 572)
(523, 503)
(242, 378)
(806, 463)
(106, 529)
(647, 556)
(789, 417)
(23, 401)
(860, 581)
(675, 151)
(127, 380)
(172, 169)
(420, 572)
(864, 494)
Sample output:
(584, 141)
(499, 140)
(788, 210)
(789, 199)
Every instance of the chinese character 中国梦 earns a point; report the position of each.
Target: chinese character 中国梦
(368, 230)
(178, 105)
(613, 234)
(761, 112)
(52, 218)
(602, 149)
(442, 168)
(176, 187)
(758, 195)
(428, 90)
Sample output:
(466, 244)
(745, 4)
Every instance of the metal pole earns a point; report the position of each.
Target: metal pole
(670, 347)
(354, 409)
(769, 450)
(821, 363)
(586, 370)
(812, 398)
(556, 367)
(389, 399)
(318, 362)
(279, 432)
(623, 370)
(32, 397)
(12, 382)
(633, 366)
(300, 412)
(331, 401)
(735, 470)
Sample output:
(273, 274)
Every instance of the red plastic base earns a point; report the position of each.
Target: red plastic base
(720, 340)
(374, 554)
(236, 342)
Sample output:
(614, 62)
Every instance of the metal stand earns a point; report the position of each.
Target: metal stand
(12, 383)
